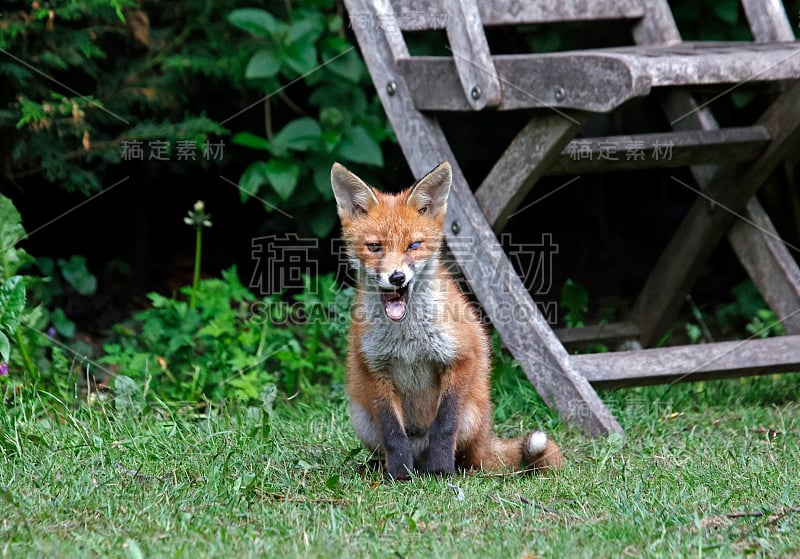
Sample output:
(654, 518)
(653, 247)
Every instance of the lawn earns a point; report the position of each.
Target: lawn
(704, 470)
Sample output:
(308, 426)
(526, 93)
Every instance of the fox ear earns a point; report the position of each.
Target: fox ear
(353, 196)
(429, 195)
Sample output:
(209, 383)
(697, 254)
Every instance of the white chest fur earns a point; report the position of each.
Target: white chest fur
(415, 350)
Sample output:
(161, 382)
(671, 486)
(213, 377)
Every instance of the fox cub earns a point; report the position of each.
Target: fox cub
(419, 360)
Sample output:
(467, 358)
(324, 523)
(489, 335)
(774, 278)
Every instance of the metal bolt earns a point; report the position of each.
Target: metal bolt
(476, 92)
(455, 228)
(391, 88)
(560, 93)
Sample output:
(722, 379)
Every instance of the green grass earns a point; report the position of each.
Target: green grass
(87, 481)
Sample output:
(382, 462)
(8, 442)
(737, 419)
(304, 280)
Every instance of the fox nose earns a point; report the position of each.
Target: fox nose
(397, 278)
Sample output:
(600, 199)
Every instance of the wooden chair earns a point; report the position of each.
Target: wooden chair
(728, 165)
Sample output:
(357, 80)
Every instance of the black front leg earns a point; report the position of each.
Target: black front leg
(399, 458)
(442, 437)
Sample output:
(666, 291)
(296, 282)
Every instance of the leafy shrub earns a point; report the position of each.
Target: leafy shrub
(79, 78)
(27, 354)
(346, 121)
(231, 346)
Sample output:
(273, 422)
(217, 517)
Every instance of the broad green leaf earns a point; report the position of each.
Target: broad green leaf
(358, 146)
(78, 275)
(348, 66)
(256, 21)
(63, 325)
(300, 134)
(250, 140)
(12, 303)
(253, 178)
(5, 348)
(282, 175)
(306, 26)
(301, 56)
(263, 64)
(11, 232)
(322, 181)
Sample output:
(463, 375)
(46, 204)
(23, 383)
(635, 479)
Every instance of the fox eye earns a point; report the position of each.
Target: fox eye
(414, 245)
(374, 247)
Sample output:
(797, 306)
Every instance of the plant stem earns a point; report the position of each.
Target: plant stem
(198, 251)
(26, 357)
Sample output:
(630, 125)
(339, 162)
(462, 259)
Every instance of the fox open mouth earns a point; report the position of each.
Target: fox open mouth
(394, 302)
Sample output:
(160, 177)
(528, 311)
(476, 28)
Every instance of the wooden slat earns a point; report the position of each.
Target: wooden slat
(422, 15)
(522, 164)
(690, 363)
(479, 82)
(596, 83)
(492, 277)
(612, 334)
(667, 149)
(731, 188)
(657, 27)
(705, 63)
(768, 20)
(601, 80)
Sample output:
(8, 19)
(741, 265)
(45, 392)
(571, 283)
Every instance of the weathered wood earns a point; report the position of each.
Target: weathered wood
(769, 263)
(470, 49)
(603, 79)
(613, 333)
(667, 149)
(690, 363)
(704, 225)
(706, 63)
(765, 258)
(525, 331)
(658, 26)
(431, 14)
(523, 163)
(595, 83)
(768, 20)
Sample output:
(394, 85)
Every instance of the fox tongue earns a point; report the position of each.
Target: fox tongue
(395, 306)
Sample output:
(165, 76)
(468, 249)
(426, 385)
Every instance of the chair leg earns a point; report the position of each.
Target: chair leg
(705, 224)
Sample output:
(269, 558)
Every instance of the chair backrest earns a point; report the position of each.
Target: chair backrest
(422, 15)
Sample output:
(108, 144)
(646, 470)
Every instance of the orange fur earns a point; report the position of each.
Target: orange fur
(419, 359)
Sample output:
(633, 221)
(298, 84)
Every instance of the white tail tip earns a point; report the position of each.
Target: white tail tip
(537, 442)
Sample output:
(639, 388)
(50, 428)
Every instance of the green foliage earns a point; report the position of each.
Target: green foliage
(748, 310)
(12, 286)
(79, 78)
(346, 122)
(12, 303)
(230, 346)
(59, 281)
(575, 300)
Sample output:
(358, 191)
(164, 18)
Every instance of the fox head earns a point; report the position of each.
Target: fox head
(392, 238)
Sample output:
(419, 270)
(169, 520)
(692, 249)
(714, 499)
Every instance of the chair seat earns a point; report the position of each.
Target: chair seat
(601, 80)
